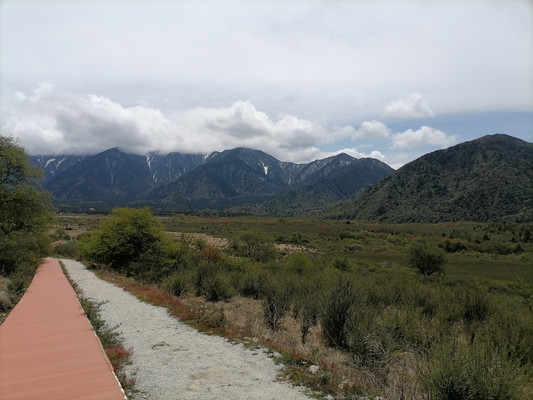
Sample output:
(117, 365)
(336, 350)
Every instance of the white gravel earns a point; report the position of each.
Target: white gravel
(174, 361)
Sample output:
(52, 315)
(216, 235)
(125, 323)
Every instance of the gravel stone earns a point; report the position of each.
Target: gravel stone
(174, 361)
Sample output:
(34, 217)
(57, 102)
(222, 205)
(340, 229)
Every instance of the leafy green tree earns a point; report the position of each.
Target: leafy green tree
(26, 210)
(427, 259)
(133, 241)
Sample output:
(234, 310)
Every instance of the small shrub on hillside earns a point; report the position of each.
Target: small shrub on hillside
(211, 254)
(299, 239)
(254, 246)
(364, 341)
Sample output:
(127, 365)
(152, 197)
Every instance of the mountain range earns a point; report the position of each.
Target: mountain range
(487, 179)
(238, 178)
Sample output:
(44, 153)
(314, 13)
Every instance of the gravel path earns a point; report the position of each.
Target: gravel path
(172, 360)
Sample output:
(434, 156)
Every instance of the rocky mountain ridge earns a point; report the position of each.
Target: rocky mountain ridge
(187, 182)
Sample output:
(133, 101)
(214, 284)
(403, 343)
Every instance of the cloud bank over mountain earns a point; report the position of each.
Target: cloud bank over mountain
(297, 79)
(50, 122)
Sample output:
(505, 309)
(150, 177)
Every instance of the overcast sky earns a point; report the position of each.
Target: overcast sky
(300, 80)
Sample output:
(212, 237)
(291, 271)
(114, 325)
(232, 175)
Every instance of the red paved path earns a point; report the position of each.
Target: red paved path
(48, 349)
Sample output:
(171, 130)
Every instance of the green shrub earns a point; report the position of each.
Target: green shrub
(129, 237)
(212, 281)
(249, 282)
(306, 303)
(364, 342)
(254, 246)
(69, 249)
(427, 259)
(299, 239)
(299, 264)
(276, 298)
(177, 284)
(476, 305)
(217, 287)
(336, 312)
(342, 264)
(460, 370)
(26, 211)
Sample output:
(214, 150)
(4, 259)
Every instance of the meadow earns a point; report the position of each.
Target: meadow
(343, 296)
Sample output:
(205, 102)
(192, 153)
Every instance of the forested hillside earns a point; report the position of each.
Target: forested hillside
(488, 179)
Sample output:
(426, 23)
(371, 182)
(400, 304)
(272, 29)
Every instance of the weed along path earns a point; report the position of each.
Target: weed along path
(171, 360)
(48, 349)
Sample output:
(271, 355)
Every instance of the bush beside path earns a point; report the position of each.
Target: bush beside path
(171, 360)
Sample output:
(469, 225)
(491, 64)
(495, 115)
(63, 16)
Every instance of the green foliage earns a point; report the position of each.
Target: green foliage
(471, 371)
(25, 210)
(254, 245)
(132, 241)
(488, 179)
(276, 299)
(426, 259)
(338, 304)
(459, 336)
(342, 264)
(299, 264)
(307, 299)
(126, 237)
(212, 282)
(176, 284)
(67, 250)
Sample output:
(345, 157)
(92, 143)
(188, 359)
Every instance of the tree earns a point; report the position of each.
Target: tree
(132, 241)
(427, 259)
(26, 210)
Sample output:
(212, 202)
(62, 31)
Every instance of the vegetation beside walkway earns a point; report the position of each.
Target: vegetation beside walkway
(402, 311)
(26, 215)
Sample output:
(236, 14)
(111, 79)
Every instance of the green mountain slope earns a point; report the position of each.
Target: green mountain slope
(487, 179)
(320, 194)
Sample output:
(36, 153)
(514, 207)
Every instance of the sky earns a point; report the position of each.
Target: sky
(300, 80)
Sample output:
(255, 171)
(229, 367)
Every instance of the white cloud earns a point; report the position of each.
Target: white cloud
(42, 89)
(49, 122)
(357, 154)
(426, 135)
(368, 130)
(373, 129)
(302, 57)
(413, 106)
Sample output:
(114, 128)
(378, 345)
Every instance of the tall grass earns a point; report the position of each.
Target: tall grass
(464, 334)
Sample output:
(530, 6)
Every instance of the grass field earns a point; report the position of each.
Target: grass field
(343, 295)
